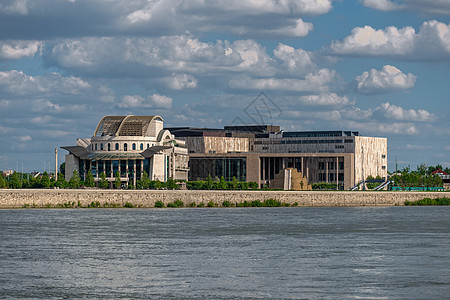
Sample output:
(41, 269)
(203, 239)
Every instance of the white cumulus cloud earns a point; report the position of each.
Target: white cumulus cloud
(313, 82)
(325, 99)
(152, 101)
(386, 80)
(19, 49)
(430, 43)
(397, 113)
(384, 5)
(180, 81)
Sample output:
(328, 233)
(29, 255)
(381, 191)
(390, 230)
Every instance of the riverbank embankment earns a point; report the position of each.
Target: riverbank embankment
(148, 198)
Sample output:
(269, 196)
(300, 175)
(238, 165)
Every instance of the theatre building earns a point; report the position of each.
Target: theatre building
(129, 145)
(257, 153)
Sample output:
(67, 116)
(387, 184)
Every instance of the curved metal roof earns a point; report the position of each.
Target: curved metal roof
(125, 125)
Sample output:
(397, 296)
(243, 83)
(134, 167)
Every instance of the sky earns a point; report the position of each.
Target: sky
(379, 67)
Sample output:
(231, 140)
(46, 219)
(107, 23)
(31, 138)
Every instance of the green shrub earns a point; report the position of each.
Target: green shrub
(226, 203)
(211, 204)
(271, 203)
(192, 204)
(128, 205)
(175, 204)
(428, 201)
(257, 203)
(201, 204)
(159, 204)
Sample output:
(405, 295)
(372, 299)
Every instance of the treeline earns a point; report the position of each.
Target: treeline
(421, 177)
(26, 181)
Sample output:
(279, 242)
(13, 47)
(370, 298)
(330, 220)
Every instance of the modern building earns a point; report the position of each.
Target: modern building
(129, 145)
(257, 153)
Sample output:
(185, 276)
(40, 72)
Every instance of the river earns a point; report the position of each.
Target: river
(226, 253)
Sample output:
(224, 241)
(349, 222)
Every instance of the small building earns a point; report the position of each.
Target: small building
(129, 145)
(445, 178)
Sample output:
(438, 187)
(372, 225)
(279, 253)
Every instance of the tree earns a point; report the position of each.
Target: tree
(61, 182)
(209, 182)
(62, 168)
(117, 181)
(75, 181)
(145, 181)
(45, 181)
(222, 184)
(171, 184)
(89, 181)
(14, 181)
(103, 183)
(422, 169)
(3, 182)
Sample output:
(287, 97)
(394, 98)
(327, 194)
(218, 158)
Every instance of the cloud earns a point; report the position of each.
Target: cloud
(438, 7)
(152, 101)
(151, 56)
(325, 99)
(313, 82)
(384, 5)
(432, 42)
(19, 49)
(25, 138)
(297, 29)
(156, 18)
(16, 82)
(388, 79)
(393, 112)
(418, 147)
(180, 81)
(14, 7)
(294, 61)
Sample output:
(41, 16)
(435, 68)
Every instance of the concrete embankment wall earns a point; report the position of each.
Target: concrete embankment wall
(147, 198)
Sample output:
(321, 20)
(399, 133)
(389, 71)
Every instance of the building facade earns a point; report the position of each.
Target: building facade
(129, 145)
(258, 153)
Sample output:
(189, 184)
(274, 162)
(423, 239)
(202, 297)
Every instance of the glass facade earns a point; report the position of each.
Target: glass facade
(200, 168)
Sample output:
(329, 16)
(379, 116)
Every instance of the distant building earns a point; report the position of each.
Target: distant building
(257, 153)
(445, 178)
(129, 145)
(8, 172)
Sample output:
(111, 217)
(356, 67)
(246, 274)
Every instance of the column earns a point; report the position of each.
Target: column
(337, 173)
(326, 170)
(134, 172)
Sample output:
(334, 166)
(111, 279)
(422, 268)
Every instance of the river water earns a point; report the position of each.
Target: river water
(226, 253)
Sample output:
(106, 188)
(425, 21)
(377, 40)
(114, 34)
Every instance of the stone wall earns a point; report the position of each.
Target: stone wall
(57, 198)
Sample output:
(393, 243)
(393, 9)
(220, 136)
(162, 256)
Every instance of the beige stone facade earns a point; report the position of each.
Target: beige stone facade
(340, 157)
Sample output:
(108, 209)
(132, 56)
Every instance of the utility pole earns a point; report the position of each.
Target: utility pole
(56, 163)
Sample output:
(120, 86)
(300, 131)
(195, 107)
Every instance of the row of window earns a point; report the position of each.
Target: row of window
(99, 146)
(340, 141)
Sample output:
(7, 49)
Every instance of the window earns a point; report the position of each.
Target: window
(134, 146)
(383, 156)
(142, 146)
(148, 146)
(95, 147)
(117, 146)
(109, 147)
(101, 146)
(125, 147)
(383, 167)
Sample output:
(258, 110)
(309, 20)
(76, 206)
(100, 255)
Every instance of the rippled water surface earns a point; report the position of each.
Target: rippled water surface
(281, 253)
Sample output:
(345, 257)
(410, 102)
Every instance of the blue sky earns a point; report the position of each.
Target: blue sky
(380, 67)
